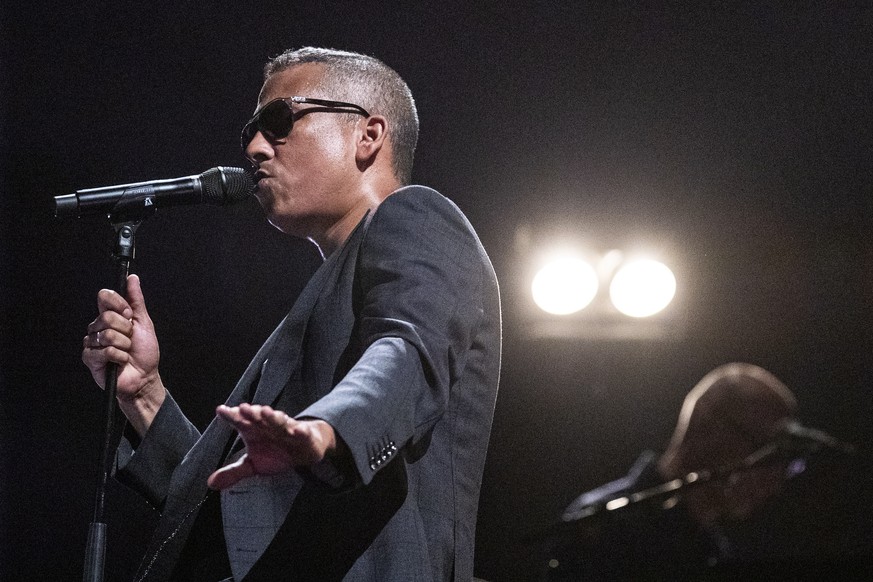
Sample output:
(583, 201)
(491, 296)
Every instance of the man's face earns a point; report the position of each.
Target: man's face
(307, 180)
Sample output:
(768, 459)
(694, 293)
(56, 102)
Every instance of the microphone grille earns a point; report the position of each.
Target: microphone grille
(223, 185)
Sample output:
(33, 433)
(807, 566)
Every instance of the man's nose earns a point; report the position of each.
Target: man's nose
(259, 149)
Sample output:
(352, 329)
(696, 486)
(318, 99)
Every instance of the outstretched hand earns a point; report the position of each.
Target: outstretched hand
(274, 441)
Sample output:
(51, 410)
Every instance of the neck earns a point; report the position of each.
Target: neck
(337, 233)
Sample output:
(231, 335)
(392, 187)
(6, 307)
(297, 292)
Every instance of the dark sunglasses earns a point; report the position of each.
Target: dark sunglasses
(276, 118)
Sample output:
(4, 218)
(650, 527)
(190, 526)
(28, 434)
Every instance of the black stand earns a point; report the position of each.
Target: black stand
(95, 552)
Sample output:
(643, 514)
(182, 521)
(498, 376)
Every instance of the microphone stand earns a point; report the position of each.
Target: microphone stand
(95, 551)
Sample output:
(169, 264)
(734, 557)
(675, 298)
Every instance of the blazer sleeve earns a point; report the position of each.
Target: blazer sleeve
(148, 468)
(420, 283)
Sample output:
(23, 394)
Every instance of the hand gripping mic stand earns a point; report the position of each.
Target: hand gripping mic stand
(127, 206)
(95, 552)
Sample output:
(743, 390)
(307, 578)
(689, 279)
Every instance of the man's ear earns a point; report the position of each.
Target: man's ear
(371, 140)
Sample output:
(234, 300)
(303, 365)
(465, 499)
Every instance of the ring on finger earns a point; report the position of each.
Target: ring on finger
(97, 337)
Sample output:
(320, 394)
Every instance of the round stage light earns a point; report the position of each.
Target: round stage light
(642, 288)
(564, 286)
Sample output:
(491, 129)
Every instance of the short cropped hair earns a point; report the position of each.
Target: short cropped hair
(370, 83)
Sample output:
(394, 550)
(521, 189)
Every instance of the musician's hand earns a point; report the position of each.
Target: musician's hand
(274, 441)
(123, 333)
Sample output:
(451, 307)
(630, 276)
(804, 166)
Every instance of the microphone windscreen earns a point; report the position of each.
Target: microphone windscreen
(224, 185)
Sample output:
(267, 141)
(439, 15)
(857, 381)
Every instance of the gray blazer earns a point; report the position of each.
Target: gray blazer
(414, 289)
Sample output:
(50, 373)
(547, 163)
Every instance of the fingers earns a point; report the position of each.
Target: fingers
(108, 340)
(92, 340)
(105, 345)
(105, 338)
(96, 358)
(116, 312)
(109, 300)
(114, 324)
(245, 416)
(231, 474)
(275, 443)
(263, 415)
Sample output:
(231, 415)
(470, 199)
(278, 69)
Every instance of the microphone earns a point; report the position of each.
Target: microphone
(220, 185)
(795, 436)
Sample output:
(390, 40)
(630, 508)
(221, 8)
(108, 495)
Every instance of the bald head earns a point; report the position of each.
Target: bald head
(733, 411)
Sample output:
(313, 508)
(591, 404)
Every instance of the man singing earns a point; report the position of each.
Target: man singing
(352, 447)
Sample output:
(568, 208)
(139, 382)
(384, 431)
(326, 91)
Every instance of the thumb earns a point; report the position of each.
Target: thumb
(135, 298)
(231, 474)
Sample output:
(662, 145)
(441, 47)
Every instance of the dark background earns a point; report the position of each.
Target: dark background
(736, 137)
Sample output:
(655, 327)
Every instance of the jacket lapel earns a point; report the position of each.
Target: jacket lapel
(282, 358)
(270, 369)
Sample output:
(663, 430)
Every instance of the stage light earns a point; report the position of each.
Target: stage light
(575, 283)
(642, 288)
(564, 285)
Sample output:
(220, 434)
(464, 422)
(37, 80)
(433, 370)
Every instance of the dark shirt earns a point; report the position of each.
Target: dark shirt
(204, 557)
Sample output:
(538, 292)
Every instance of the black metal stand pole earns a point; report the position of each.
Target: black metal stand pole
(95, 552)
